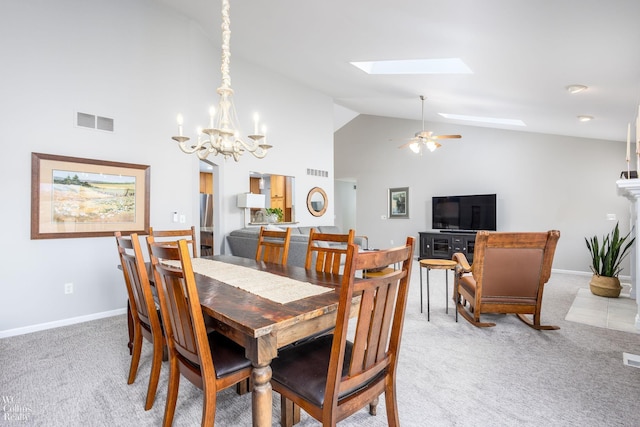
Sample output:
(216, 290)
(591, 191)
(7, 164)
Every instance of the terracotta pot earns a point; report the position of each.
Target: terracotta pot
(605, 286)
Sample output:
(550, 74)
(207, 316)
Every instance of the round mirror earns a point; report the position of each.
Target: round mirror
(317, 201)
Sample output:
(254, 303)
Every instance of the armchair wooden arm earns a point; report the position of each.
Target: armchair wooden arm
(463, 264)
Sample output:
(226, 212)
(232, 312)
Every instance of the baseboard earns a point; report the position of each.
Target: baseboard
(587, 273)
(59, 323)
(578, 273)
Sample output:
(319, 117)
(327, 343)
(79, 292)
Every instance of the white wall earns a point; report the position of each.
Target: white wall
(139, 63)
(542, 181)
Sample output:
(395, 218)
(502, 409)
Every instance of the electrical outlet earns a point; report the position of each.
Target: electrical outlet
(183, 219)
(68, 288)
(392, 243)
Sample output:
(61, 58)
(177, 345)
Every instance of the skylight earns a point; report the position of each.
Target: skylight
(415, 66)
(493, 120)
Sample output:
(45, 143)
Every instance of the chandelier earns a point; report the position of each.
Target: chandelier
(222, 137)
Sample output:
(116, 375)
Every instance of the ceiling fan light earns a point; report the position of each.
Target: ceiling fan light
(576, 88)
(415, 147)
(432, 145)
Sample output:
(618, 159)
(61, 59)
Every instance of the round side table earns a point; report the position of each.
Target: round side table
(436, 264)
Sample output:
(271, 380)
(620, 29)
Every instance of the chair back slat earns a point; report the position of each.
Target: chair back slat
(179, 302)
(273, 246)
(380, 317)
(172, 236)
(327, 252)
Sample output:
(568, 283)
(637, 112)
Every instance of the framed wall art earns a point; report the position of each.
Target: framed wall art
(399, 202)
(75, 197)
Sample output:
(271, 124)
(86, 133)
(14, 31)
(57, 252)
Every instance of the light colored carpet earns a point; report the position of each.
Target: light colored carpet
(450, 374)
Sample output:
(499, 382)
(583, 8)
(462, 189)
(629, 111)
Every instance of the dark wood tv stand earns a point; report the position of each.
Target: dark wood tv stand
(443, 244)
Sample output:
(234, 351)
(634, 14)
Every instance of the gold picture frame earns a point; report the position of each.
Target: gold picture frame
(76, 197)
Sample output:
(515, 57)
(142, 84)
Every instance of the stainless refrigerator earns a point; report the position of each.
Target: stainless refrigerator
(206, 224)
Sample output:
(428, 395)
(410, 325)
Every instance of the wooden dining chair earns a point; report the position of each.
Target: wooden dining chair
(332, 377)
(273, 246)
(144, 316)
(188, 234)
(212, 362)
(327, 252)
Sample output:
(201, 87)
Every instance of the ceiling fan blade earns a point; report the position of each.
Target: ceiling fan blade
(445, 136)
(408, 143)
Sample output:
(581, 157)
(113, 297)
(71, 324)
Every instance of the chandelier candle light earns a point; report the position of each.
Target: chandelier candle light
(222, 136)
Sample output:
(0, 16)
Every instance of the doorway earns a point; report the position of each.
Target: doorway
(208, 178)
(345, 204)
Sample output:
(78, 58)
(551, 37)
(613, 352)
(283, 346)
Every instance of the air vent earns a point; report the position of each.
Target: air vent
(94, 122)
(104, 123)
(317, 172)
(631, 360)
(86, 120)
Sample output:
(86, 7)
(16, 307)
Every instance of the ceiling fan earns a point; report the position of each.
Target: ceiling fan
(425, 139)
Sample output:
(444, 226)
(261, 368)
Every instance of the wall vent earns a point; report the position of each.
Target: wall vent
(318, 172)
(631, 360)
(94, 122)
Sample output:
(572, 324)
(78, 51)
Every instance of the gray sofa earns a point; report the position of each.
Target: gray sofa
(244, 242)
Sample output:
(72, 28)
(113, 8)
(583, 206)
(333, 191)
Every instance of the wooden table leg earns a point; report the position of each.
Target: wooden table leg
(262, 397)
(428, 302)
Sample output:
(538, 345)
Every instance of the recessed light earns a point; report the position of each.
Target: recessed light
(493, 120)
(576, 88)
(415, 66)
(585, 118)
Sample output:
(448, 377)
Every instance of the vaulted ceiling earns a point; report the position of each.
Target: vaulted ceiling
(522, 55)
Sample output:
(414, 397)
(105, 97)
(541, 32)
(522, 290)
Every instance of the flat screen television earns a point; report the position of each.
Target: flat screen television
(464, 213)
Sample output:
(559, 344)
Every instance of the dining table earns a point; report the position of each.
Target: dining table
(261, 324)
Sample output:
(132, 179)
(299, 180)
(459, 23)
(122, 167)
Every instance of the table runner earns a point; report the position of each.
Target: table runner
(266, 285)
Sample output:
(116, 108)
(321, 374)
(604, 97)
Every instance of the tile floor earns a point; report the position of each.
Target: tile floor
(611, 313)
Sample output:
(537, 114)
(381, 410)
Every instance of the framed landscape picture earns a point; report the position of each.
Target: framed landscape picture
(75, 197)
(399, 202)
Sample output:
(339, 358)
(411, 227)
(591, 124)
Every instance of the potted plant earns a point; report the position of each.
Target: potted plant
(275, 214)
(605, 262)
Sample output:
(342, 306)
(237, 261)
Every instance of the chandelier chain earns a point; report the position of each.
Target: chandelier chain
(226, 51)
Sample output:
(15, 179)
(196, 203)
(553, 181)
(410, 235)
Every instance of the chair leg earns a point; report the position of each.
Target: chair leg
(392, 407)
(373, 407)
(209, 407)
(536, 324)
(135, 357)
(289, 413)
(155, 373)
(243, 387)
(172, 392)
